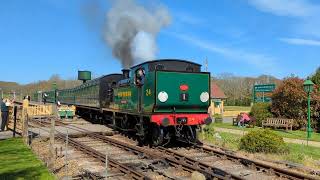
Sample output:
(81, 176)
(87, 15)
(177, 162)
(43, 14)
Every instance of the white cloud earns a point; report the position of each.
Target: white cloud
(305, 13)
(189, 19)
(261, 61)
(298, 41)
(297, 8)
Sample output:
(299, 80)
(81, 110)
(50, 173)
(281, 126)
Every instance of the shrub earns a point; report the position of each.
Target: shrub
(217, 118)
(261, 111)
(290, 101)
(208, 130)
(263, 141)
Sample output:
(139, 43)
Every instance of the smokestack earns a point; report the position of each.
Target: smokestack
(125, 73)
(131, 30)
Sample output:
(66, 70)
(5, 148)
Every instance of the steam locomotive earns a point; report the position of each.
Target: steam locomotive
(158, 100)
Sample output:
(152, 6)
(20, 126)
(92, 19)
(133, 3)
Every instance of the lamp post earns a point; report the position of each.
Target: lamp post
(308, 88)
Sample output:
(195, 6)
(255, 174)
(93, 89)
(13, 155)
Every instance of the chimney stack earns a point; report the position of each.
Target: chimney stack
(125, 73)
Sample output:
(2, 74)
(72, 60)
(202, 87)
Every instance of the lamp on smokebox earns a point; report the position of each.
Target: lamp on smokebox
(308, 88)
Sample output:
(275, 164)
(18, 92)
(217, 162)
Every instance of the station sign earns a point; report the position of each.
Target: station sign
(262, 92)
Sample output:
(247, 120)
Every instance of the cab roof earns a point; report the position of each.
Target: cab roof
(166, 60)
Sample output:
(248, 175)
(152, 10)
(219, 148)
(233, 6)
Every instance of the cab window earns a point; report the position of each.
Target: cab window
(139, 76)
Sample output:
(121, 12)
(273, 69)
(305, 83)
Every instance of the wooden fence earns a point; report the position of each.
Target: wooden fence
(40, 110)
(18, 121)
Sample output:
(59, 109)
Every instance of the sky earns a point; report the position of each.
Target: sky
(39, 38)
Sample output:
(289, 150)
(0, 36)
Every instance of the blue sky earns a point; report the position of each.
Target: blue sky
(40, 38)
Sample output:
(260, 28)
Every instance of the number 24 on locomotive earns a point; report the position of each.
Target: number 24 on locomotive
(148, 92)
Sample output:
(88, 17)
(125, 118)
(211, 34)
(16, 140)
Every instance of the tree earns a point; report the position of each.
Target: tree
(239, 89)
(261, 111)
(315, 78)
(290, 101)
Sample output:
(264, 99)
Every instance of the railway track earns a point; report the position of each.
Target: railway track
(255, 165)
(113, 164)
(157, 162)
(198, 158)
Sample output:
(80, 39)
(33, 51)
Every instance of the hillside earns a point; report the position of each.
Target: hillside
(239, 89)
(31, 88)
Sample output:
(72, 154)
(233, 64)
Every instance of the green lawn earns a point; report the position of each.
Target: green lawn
(298, 153)
(237, 108)
(17, 161)
(287, 134)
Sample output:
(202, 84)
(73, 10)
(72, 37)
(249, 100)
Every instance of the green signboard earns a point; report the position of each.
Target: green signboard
(262, 92)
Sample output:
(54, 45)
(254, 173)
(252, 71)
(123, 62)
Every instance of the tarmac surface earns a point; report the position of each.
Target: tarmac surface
(7, 135)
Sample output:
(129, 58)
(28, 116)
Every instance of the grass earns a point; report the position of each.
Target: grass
(237, 108)
(306, 155)
(299, 153)
(296, 134)
(18, 162)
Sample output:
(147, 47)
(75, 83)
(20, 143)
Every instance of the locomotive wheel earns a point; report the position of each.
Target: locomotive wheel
(142, 140)
(142, 135)
(157, 135)
(191, 134)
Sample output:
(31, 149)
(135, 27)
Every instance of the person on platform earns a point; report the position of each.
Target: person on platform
(45, 96)
(4, 113)
(244, 118)
(25, 102)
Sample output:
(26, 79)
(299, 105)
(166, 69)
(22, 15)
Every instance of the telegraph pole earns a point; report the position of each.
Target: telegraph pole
(206, 64)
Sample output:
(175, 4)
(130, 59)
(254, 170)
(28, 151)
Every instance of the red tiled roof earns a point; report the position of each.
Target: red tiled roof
(216, 92)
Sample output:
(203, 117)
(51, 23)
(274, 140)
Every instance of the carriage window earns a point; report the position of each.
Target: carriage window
(139, 77)
(189, 69)
(160, 67)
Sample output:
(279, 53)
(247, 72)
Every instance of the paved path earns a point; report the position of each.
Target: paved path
(288, 140)
(6, 135)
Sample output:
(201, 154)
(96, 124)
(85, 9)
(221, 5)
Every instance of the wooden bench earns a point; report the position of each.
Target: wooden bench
(235, 121)
(278, 122)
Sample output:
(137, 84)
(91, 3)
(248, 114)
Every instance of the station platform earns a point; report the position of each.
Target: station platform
(6, 135)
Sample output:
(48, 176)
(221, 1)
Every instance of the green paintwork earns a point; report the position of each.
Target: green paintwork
(125, 98)
(170, 82)
(84, 75)
(51, 96)
(263, 88)
(126, 95)
(148, 91)
(86, 94)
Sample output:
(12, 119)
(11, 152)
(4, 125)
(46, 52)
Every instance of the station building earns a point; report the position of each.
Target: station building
(217, 100)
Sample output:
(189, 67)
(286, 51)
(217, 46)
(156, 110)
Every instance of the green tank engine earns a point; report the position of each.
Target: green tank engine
(158, 100)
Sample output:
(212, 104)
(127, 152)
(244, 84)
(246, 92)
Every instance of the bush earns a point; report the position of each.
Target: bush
(261, 111)
(217, 118)
(263, 141)
(290, 101)
(208, 130)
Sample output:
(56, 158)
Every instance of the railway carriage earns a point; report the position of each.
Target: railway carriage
(158, 100)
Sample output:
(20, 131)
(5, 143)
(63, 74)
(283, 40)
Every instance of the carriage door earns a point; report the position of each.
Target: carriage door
(139, 82)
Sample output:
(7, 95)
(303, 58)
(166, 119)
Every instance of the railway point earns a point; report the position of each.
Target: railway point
(133, 89)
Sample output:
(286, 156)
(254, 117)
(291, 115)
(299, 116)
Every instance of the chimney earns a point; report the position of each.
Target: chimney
(125, 73)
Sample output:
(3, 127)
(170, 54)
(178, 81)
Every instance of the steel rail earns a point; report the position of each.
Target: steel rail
(100, 156)
(174, 159)
(259, 166)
